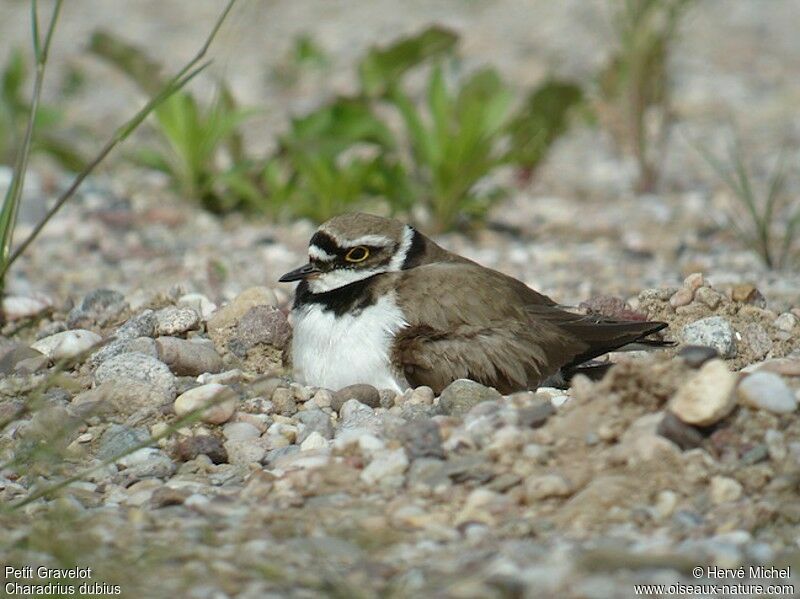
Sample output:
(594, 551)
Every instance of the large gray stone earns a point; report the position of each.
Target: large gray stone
(460, 396)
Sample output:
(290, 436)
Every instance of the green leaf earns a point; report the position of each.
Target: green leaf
(382, 67)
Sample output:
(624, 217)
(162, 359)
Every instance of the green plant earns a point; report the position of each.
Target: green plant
(14, 108)
(764, 217)
(458, 137)
(635, 88)
(10, 209)
(195, 141)
(304, 55)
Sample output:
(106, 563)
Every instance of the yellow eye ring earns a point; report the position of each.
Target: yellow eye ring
(357, 254)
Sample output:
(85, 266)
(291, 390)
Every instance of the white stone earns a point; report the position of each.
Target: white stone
(175, 321)
(707, 396)
(786, 322)
(313, 441)
(713, 331)
(199, 303)
(546, 485)
(724, 490)
(767, 391)
(16, 307)
(386, 464)
(240, 431)
(245, 451)
(67, 344)
(219, 399)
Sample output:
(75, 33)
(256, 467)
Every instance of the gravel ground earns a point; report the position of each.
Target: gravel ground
(679, 459)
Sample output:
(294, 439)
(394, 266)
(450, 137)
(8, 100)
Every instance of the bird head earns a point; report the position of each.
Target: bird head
(353, 247)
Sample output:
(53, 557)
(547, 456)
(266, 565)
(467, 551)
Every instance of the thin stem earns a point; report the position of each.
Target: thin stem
(186, 74)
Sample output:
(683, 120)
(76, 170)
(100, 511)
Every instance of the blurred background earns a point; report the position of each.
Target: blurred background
(585, 146)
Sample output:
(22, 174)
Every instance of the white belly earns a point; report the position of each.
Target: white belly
(335, 351)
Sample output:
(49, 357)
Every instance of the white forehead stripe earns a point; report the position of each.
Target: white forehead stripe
(316, 253)
(374, 240)
(399, 257)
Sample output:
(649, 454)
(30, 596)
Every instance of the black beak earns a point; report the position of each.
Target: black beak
(304, 272)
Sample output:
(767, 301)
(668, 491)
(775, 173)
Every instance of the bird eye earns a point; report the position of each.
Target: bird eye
(357, 254)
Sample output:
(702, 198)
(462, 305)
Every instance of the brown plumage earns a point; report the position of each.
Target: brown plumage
(462, 320)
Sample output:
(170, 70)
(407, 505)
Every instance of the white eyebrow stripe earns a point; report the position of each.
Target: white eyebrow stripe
(378, 240)
(319, 254)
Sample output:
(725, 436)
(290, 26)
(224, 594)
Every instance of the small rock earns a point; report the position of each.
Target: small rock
(220, 400)
(767, 391)
(188, 357)
(683, 435)
(682, 297)
(313, 441)
(421, 395)
(696, 355)
(137, 368)
(747, 293)
(460, 396)
(536, 415)
(141, 325)
(707, 396)
(713, 331)
(782, 366)
(240, 431)
(175, 321)
(666, 502)
(724, 490)
(67, 345)
(148, 462)
(122, 398)
(228, 315)
(314, 421)
(323, 398)
(776, 445)
(694, 281)
(15, 355)
(756, 339)
(421, 438)
(246, 451)
(118, 440)
(189, 448)
(546, 485)
(356, 415)
(229, 377)
(365, 394)
(17, 307)
(100, 307)
(199, 303)
(260, 325)
(709, 297)
(386, 466)
(786, 322)
(166, 496)
(283, 401)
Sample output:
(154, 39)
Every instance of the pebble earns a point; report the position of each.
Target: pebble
(757, 340)
(536, 415)
(223, 403)
(283, 401)
(188, 357)
(189, 448)
(122, 398)
(709, 297)
(176, 321)
(544, 486)
(313, 441)
(100, 307)
(229, 377)
(767, 391)
(713, 331)
(683, 435)
(724, 490)
(118, 439)
(67, 345)
(786, 322)
(141, 325)
(694, 281)
(387, 467)
(245, 451)
(17, 353)
(17, 307)
(148, 462)
(365, 394)
(696, 355)
(240, 431)
(228, 315)
(682, 297)
(117, 346)
(260, 325)
(422, 438)
(783, 366)
(707, 396)
(199, 303)
(137, 368)
(460, 396)
(314, 421)
(747, 293)
(355, 415)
